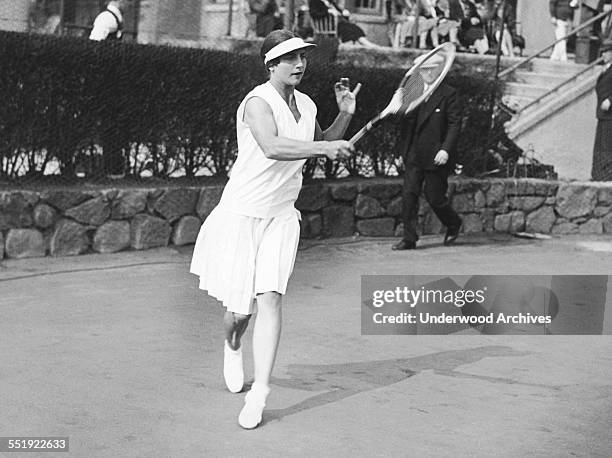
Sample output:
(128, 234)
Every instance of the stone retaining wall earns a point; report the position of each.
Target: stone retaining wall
(65, 222)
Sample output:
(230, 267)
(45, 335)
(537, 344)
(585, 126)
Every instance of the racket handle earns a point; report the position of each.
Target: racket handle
(364, 130)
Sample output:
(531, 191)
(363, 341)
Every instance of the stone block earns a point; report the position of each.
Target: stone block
(367, 207)
(338, 221)
(208, 200)
(92, 212)
(541, 220)
(564, 228)
(111, 237)
(488, 219)
(313, 198)
(377, 227)
(1, 245)
(480, 200)
(607, 223)
(148, 231)
(129, 203)
(380, 191)
(574, 201)
(604, 195)
(526, 203)
(395, 207)
(15, 209)
(311, 225)
(545, 188)
(65, 199)
(592, 226)
(466, 185)
(344, 191)
(24, 243)
(186, 230)
(510, 222)
(472, 222)
(68, 239)
(177, 202)
(44, 216)
(463, 203)
(598, 212)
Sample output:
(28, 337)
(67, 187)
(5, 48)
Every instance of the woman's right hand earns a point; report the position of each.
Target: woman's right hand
(605, 105)
(338, 149)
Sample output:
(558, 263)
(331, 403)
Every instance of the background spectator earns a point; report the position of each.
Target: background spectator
(346, 30)
(108, 25)
(561, 14)
(602, 150)
(267, 16)
(471, 29)
(447, 27)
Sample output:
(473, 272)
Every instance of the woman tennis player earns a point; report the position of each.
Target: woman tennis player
(246, 248)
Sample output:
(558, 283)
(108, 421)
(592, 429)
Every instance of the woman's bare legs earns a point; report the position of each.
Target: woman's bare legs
(235, 325)
(266, 336)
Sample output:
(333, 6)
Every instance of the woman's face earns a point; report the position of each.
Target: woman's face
(290, 68)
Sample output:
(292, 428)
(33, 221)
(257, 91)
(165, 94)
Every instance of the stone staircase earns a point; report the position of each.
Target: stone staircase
(539, 77)
(554, 125)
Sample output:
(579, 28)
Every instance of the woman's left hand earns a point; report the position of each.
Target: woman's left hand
(346, 99)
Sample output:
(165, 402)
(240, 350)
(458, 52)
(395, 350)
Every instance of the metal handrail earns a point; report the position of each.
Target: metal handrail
(581, 27)
(560, 85)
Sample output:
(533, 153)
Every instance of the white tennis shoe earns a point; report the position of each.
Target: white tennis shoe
(233, 372)
(254, 403)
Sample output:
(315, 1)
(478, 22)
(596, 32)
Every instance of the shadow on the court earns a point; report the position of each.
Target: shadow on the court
(339, 381)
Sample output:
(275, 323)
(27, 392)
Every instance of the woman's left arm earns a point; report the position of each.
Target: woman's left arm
(347, 103)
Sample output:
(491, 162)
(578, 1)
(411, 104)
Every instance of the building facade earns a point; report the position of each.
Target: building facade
(192, 22)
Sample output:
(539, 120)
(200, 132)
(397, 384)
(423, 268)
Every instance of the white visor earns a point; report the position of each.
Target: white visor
(287, 46)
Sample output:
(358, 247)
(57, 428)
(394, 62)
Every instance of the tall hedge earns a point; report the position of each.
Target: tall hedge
(174, 108)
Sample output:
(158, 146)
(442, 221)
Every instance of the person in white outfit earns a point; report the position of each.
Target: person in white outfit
(108, 25)
(246, 248)
(561, 15)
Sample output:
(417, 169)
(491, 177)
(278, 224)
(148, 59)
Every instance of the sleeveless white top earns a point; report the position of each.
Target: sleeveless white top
(260, 187)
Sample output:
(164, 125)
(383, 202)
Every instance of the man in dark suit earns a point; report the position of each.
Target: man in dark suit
(470, 25)
(428, 141)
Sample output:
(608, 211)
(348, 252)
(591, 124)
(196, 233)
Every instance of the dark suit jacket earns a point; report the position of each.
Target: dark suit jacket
(603, 90)
(435, 125)
(560, 9)
(455, 12)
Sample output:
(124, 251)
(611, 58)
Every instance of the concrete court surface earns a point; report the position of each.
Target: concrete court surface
(123, 354)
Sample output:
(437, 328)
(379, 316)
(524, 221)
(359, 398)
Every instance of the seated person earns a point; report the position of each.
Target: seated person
(346, 30)
(404, 22)
(447, 28)
(471, 29)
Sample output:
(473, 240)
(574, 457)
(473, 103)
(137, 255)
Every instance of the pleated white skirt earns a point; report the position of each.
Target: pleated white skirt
(238, 257)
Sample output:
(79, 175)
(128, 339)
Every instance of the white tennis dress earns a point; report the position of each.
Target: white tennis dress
(248, 244)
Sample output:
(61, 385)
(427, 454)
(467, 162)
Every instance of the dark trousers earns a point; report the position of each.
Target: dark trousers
(435, 187)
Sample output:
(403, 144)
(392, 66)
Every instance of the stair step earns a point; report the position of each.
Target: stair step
(543, 79)
(560, 68)
(525, 90)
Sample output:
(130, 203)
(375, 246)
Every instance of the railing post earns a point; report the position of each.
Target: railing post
(497, 68)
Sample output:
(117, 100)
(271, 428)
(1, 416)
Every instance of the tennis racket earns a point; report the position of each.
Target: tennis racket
(411, 91)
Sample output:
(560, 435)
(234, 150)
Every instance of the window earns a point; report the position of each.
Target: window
(366, 6)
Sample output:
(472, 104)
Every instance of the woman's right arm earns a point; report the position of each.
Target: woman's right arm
(258, 116)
